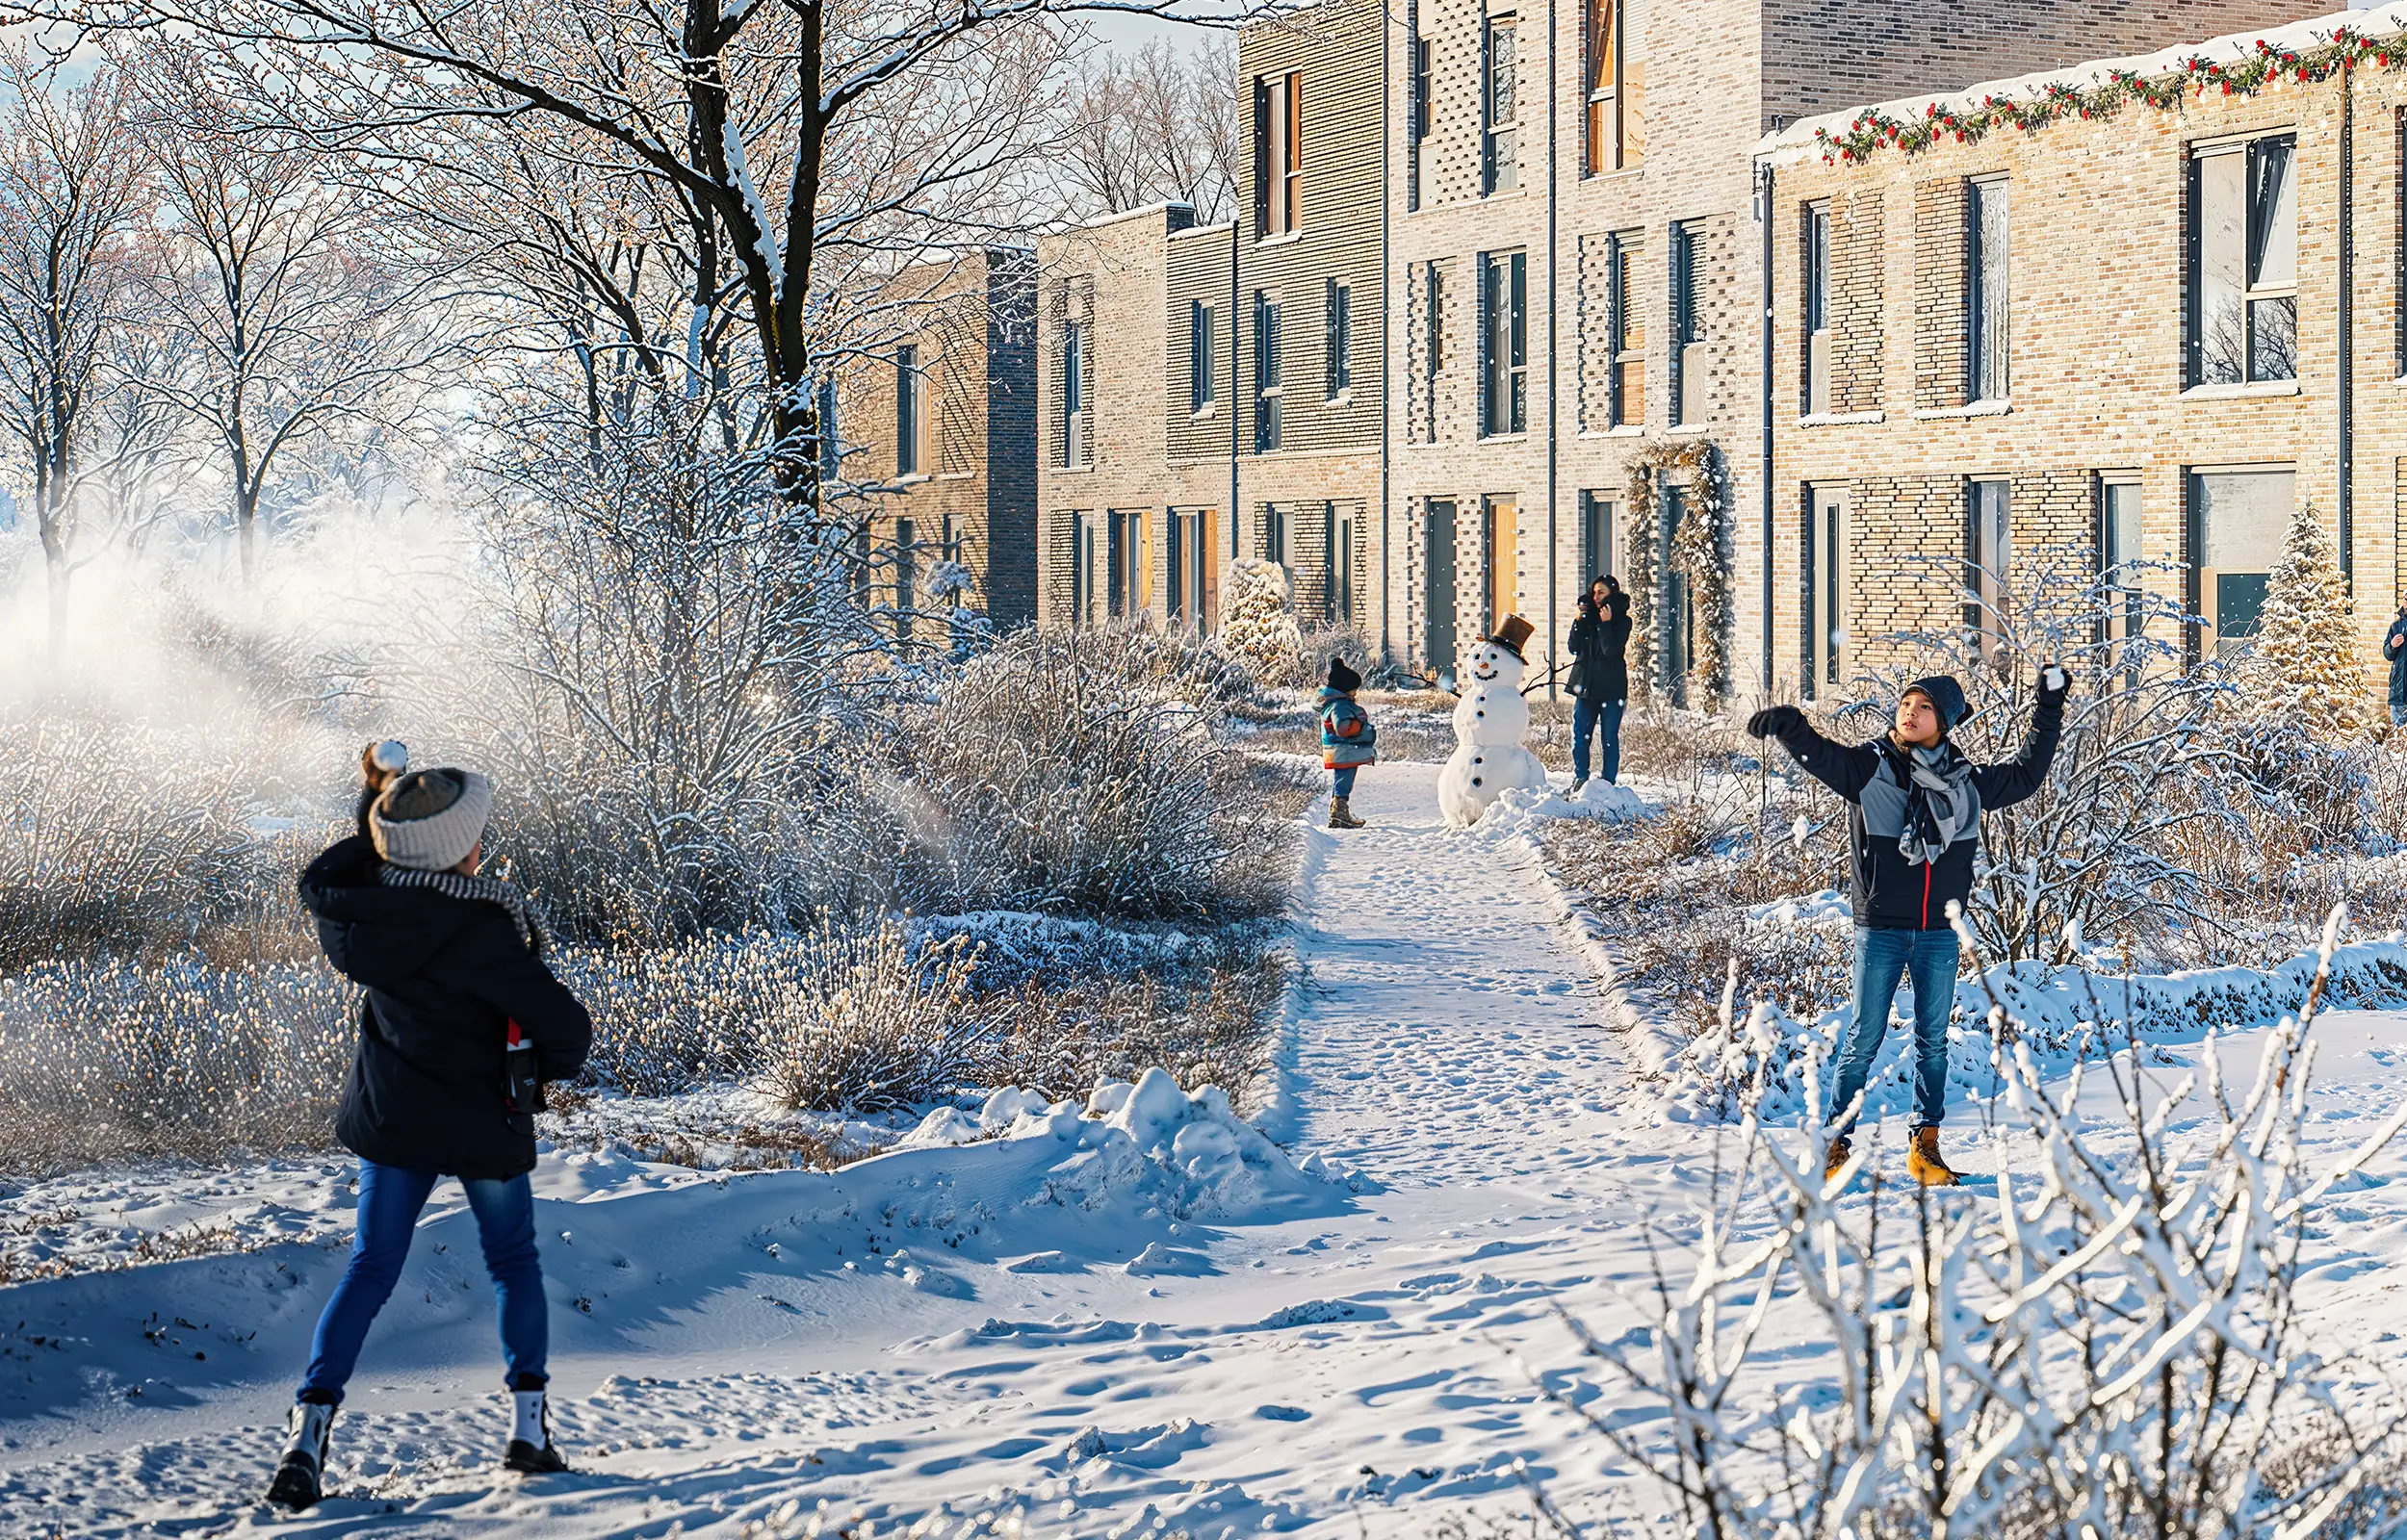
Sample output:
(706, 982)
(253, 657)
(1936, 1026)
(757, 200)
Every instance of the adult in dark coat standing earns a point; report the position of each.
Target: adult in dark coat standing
(2394, 648)
(457, 1000)
(1600, 676)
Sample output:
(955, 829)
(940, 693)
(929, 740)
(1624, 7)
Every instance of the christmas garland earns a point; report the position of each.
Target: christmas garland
(2264, 66)
(1701, 553)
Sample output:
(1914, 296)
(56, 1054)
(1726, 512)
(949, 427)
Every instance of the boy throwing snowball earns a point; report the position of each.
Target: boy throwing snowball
(1915, 822)
(1348, 740)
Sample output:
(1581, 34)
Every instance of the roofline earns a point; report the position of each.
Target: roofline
(1159, 210)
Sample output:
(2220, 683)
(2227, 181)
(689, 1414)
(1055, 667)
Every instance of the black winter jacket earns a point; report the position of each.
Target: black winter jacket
(445, 978)
(1889, 893)
(2395, 648)
(1600, 647)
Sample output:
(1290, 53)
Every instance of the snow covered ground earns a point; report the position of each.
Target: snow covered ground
(1103, 1324)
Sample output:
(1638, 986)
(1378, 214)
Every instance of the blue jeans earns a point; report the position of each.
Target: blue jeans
(1341, 784)
(2398, 714)
(1880, 958)
(1587, 716)
(390, 1200)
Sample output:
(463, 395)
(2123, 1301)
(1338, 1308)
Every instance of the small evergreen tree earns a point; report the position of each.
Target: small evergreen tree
(1257, 620)
(2304, 667)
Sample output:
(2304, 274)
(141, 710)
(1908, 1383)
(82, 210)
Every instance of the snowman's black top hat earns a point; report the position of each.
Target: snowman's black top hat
(1512, 633)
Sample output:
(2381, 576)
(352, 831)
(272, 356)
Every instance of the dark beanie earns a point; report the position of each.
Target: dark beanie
(1343, 679)
(1946, 697)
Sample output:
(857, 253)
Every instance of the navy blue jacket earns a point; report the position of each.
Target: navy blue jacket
(444, 977)
(2395, 648)
(1889, 893)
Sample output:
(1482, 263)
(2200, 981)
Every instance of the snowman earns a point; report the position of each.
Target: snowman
(1489, 724)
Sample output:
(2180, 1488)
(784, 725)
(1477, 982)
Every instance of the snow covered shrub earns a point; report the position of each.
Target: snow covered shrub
(2303, 668)
(1257, 622)
(1353, 644)
(117, 839)
(1069, 773)
(111, 1060)
(2106, 1343)
(1203, 1019)
(875, 1023)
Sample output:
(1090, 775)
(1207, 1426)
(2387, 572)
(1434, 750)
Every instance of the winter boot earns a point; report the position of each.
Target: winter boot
(298, 1474)
(1341, 816)
(1923, 1161)
(531, 1452)
(1834, 1162)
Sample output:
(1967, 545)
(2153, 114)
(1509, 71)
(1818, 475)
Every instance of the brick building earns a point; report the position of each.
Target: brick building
(936, 427)
(2155, 332)
(1497, 258)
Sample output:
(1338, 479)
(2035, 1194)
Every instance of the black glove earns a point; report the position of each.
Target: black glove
(1775, 720)
(2054, 684)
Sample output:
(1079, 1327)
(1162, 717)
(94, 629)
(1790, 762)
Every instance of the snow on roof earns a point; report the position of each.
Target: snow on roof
(1164, 208)
(1798, 140)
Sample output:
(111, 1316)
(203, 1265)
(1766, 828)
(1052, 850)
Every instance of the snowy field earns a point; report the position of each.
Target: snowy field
(1110, 1320)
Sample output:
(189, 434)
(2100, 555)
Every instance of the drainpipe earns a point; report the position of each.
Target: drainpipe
(1554, 293)
(1764, 183)
(2346, 311)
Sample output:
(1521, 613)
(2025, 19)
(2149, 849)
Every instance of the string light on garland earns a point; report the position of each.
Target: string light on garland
(2264, 64)
(1700, 553)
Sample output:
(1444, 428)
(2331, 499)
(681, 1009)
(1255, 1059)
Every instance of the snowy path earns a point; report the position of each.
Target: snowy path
(913, 1340)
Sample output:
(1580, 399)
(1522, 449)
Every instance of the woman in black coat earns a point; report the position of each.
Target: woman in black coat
(461, 1025)
(1600, 676)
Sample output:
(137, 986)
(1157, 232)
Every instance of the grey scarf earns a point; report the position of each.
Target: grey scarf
(1940, 804)
(488, 890)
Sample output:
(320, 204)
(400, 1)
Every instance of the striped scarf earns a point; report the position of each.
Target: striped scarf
(490, 890)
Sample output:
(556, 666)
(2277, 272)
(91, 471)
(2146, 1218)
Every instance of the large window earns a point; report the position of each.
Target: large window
(2119, 551)
(1337, 593)
(1273, 545)
(1266, 388)
(1600, 47)
(1627, 327)
(1596, 538)
(1504, 560)
(1081, 566)
(1817, 318)
(1193, 559)
(1073, 407)
(1420, 112)
(906, 579)
(2237, 522)
(1277, 154)
(1990, 332)
(911, 413)
(1434, 339)
(1826, 591)
(1989, 556)
(1339, 371)
(1437, 598)
(1687, 327)
(1202, 388)
(1130, 583)
(1500, 169)
(1503, 338)
(2244, 261)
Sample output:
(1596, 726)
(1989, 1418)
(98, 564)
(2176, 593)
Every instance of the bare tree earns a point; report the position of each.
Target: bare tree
(72, 179)
(267, 268)
(1156, 126)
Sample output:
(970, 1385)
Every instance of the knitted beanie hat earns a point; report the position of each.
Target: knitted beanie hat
(1342, 678)
(429, 820)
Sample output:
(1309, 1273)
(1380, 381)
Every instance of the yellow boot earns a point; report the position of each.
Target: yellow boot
(1834, 1162)
(1923, 1161)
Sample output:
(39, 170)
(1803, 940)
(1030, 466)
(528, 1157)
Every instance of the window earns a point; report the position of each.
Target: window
(2118, 549)
(1500, 169)
(1989, 331)
(1596, 538)
(2237, 523)
(1074, 368)
(1988, 557)
(911, 413)
(1677, 648)
(906, 579)
(1601, 64)
(1277, 154)
(1266, 389)
(1504, 337)
(1129, 564)
(1433, 338)
(1687, 330)
(1194, 566)
(1202, 389)
(1504, 560)
(1438, 535)
(2243, 263)
(1273, 545)
(1627, 325)
(1825, 588)
(1420, 112)
(1081, 568)
(1817, 318)
(1337, 594)
(1339, 371)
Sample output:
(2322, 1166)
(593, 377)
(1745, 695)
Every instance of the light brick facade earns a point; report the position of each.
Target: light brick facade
(1456, 510)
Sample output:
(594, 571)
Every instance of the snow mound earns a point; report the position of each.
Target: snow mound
(1520, 812)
